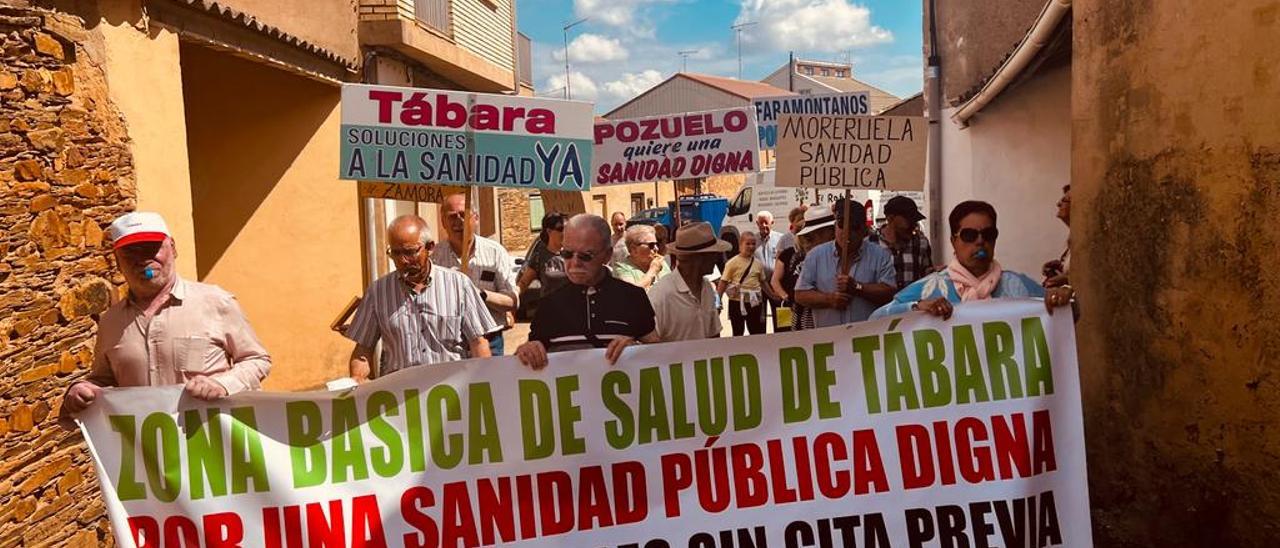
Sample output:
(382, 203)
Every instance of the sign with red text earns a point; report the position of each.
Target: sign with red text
(414, 135)
(676, 146)
(852, 152)
(906, 431)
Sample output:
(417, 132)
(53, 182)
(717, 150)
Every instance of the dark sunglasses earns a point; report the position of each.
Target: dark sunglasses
(970, 235)
(650, 245)
(584, 256)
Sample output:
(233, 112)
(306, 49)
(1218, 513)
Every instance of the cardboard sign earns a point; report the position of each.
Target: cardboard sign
(411, 135)
(677, 146)
(564, 201)
(409, 192)
(852, 152)
(769, 109)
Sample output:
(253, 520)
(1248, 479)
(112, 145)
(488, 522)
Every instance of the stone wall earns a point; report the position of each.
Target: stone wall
(65, 173)
(514, 220)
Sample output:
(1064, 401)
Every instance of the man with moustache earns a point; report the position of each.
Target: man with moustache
(595, 310)
(169, 330)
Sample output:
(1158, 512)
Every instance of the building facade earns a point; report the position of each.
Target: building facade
(810, 77)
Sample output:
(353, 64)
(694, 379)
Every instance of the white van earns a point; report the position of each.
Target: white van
(759, 193)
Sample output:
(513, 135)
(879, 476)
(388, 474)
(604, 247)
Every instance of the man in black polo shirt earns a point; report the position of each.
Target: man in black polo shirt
(595, 310)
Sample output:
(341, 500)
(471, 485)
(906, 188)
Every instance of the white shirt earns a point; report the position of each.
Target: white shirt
(680, 317)
(492, 270)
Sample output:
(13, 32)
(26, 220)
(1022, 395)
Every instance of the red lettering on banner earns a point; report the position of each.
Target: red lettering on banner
(976, 448)
(749, 482)
(412, 504)
(326, 530)
(673, 127)
(524, 490)
(829, 447)
(555, 502)
(593, 500)
(677, 475)
(385, 101)
(366, 523)
(220, 530)
(459, 524)
(223, 530)
(418, 110)
(497, 511)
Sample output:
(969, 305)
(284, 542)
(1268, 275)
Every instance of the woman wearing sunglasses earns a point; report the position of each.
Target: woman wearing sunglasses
(973, 274)
(642, 266)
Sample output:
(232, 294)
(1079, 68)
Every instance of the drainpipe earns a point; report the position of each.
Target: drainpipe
(933, 97)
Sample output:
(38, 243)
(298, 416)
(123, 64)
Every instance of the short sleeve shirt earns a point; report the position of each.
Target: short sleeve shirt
(628, 272)
(821, 265)
(432, 326)
(548, 266)
(681, 317)
(739, 265)
(576, 317)
(491, 269)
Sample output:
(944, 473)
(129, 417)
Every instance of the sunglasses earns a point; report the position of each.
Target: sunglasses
(970, 235)
(650, 245)
(584, 256)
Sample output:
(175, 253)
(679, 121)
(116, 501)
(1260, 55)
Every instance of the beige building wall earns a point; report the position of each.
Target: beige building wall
(149, 97)
(1014, 154)
(329, 24)
(274, 225)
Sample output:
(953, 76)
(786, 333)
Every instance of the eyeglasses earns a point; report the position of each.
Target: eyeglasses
(970, 235)
(650, 245)
(584, 256)
(405, 253)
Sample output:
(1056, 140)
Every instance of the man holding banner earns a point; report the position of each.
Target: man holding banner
(842, 297)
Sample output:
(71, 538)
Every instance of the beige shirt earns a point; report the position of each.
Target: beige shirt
(201, 331)
(680, 317)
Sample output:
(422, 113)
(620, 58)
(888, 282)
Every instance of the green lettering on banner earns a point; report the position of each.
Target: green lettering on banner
(823, 380)
(446, 450)
(160, 441)
(793, 365)
(931, 356)
(204, 453)
(536, 423)
(971, 387)
(389, 459)
(485, 442)
(652, 410)
(347, 443)
(747, 412)
(619, 433)
(1006, 382)
(865, 348)
(1035, 349)
(713, 397)
(569, 414)
(305, 450)
(683, 427)
(413, 431)
(127, 488)
(247, 462)
(899, 384)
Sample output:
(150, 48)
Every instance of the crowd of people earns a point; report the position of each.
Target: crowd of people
(602, 285)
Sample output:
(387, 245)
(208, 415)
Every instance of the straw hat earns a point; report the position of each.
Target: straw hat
(815, 218)
(697, 238)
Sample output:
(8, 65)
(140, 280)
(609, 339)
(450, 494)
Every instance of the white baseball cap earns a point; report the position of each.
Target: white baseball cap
(139, 226)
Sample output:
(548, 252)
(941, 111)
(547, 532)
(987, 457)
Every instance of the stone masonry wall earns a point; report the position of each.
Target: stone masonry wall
(65, 173)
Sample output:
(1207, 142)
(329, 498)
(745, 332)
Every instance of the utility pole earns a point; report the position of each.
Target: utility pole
(684, 58)
(737, 29)
(568, 89)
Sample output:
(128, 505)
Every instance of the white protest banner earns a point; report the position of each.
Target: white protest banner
(852, 152)
(676, 146)
(414, 135)
(768, 109)
(907, 431)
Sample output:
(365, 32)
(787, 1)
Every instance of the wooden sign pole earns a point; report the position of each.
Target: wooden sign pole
(846, 230)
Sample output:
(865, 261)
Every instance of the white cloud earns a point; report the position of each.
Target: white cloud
(593, 48)
(810, 25)
(629, 15)
(583, 88)
(632, 84)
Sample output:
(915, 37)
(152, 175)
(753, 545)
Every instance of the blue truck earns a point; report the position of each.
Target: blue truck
(696, 207)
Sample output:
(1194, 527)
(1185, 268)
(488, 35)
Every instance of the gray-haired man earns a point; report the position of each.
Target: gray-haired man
(423, 315)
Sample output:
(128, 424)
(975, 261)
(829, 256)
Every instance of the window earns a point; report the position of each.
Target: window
(826, 72)
(637, 202)
(536, 211)
(808, 70)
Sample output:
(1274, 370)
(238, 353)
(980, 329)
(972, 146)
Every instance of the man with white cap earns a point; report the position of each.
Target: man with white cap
(169, 330)
(684, 305)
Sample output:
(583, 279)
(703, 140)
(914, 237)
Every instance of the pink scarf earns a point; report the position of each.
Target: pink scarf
(973, 288)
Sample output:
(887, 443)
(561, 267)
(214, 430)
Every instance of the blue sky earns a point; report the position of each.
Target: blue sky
(627, 46)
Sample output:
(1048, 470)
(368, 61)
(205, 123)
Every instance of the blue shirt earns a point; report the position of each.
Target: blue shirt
(1012, 285)
(822, 264)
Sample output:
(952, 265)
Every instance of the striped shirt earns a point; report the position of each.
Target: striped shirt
(912, 259)
(421, 328)
(492, 269)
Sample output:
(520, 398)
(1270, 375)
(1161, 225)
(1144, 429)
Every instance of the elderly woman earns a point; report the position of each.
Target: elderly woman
(974, 274)
(643, 265)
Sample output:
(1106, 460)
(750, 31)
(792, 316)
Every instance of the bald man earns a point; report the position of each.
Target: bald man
(491, 268)
(422, 315)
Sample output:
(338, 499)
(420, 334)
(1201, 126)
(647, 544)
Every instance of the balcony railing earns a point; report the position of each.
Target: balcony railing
(524, 59)
(434, 14)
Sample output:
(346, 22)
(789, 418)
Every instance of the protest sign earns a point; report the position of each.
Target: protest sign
(410, 192)
(852, 152)
(413, 135)
(907, 431)
(676, 146)
(768, 109)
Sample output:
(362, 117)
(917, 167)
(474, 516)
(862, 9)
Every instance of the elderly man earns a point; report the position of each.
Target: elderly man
(766, 254)
(912, 257)
(839, 298)
(423, 315)
(491, 268)
(642, 266)
(685, 305)
(169, 330)
(595, 310)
